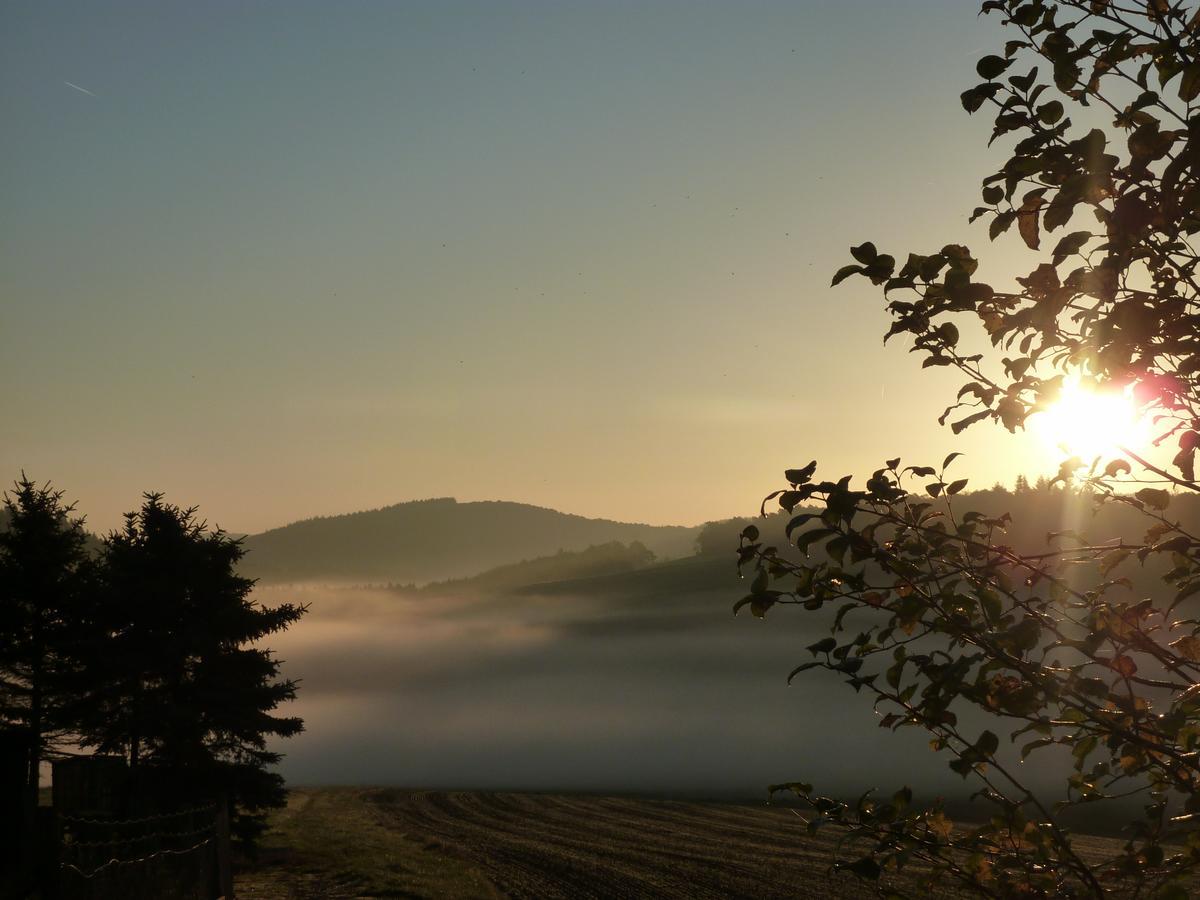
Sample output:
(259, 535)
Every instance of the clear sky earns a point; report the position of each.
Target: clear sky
(296, 258)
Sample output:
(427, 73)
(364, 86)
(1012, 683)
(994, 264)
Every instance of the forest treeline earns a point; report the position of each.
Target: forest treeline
(1038, 510)
(611, 558)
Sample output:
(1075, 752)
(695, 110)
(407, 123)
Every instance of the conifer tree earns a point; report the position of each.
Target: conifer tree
(185, 682)
(43, 593)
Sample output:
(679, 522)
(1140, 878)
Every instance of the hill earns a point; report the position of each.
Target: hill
(428, 540)
(1037, 514)
(599, 559)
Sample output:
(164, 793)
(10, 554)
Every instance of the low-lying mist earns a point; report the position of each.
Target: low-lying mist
(666, 694)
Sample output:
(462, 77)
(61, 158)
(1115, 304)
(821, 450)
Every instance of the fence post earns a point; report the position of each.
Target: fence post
(224, 861)
(49, 838)
(18, 810)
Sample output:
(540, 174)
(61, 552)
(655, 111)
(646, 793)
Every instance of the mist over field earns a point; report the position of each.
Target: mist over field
(600, 670)
(561, 692)
(576, 692)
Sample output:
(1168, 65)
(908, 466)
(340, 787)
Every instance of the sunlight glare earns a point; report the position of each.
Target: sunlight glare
(1087, 423)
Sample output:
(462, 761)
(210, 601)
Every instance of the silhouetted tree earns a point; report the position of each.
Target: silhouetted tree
(183, 682)
(43, 597)
(937, 614)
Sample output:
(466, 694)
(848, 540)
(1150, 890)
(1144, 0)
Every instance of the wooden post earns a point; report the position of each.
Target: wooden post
(49, 837)
(224, 851)
(18, 809)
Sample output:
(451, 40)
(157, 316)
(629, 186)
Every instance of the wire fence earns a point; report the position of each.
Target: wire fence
(170, 856)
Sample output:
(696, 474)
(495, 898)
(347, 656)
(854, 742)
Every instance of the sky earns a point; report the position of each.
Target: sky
(292, 259)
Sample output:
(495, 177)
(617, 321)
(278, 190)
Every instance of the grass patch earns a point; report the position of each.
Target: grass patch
(331, 842)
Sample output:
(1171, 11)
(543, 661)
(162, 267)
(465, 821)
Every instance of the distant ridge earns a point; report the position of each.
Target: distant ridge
(428, 540)
(613, 558)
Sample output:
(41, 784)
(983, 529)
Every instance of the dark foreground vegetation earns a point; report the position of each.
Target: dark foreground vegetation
(937, 616)
(135, 668)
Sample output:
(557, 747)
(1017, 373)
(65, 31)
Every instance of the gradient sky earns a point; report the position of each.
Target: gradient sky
(287, 259)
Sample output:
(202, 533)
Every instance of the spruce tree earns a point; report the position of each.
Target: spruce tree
(44, 569)
(185, 683)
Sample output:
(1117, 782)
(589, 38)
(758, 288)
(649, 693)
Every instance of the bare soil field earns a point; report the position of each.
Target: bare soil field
(382, 842)
(343, 843)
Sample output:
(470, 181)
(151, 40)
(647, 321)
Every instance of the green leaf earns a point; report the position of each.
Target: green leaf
(1027, 220)
(1116, 467)
(948, 332)
(811, 537)
(1059, 212)
(1069, 245)
(865, 253)
(1174, 545)
(1035, 745)
(1189, 85)
(970, 420)
(760, 603)
(823, 646)
(797, 521)
(963, 767)
(845, 272)
(801, 476)
(991, 604)
(1001, 223)
(991, 67)
(1050, 112)
(802, 668)
(789, 499)
(987, 744)
(1066, 73)
(956, 486)
(972, 99)
(1112, 559)
(1155, 498)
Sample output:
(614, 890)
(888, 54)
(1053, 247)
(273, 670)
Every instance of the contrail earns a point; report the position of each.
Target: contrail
(78, 88)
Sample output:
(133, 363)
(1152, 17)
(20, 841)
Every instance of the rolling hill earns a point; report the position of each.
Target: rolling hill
(598, 560)
(429, 540)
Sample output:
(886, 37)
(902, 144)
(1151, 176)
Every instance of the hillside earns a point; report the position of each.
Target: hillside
(600, 559)
(428, 540)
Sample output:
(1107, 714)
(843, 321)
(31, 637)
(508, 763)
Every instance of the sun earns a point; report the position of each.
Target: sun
(1088, 422)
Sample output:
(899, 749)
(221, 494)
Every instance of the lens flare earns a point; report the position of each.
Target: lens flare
(1087, 422)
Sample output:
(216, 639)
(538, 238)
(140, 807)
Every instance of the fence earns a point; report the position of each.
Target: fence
(174, 855)
(154, 833)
